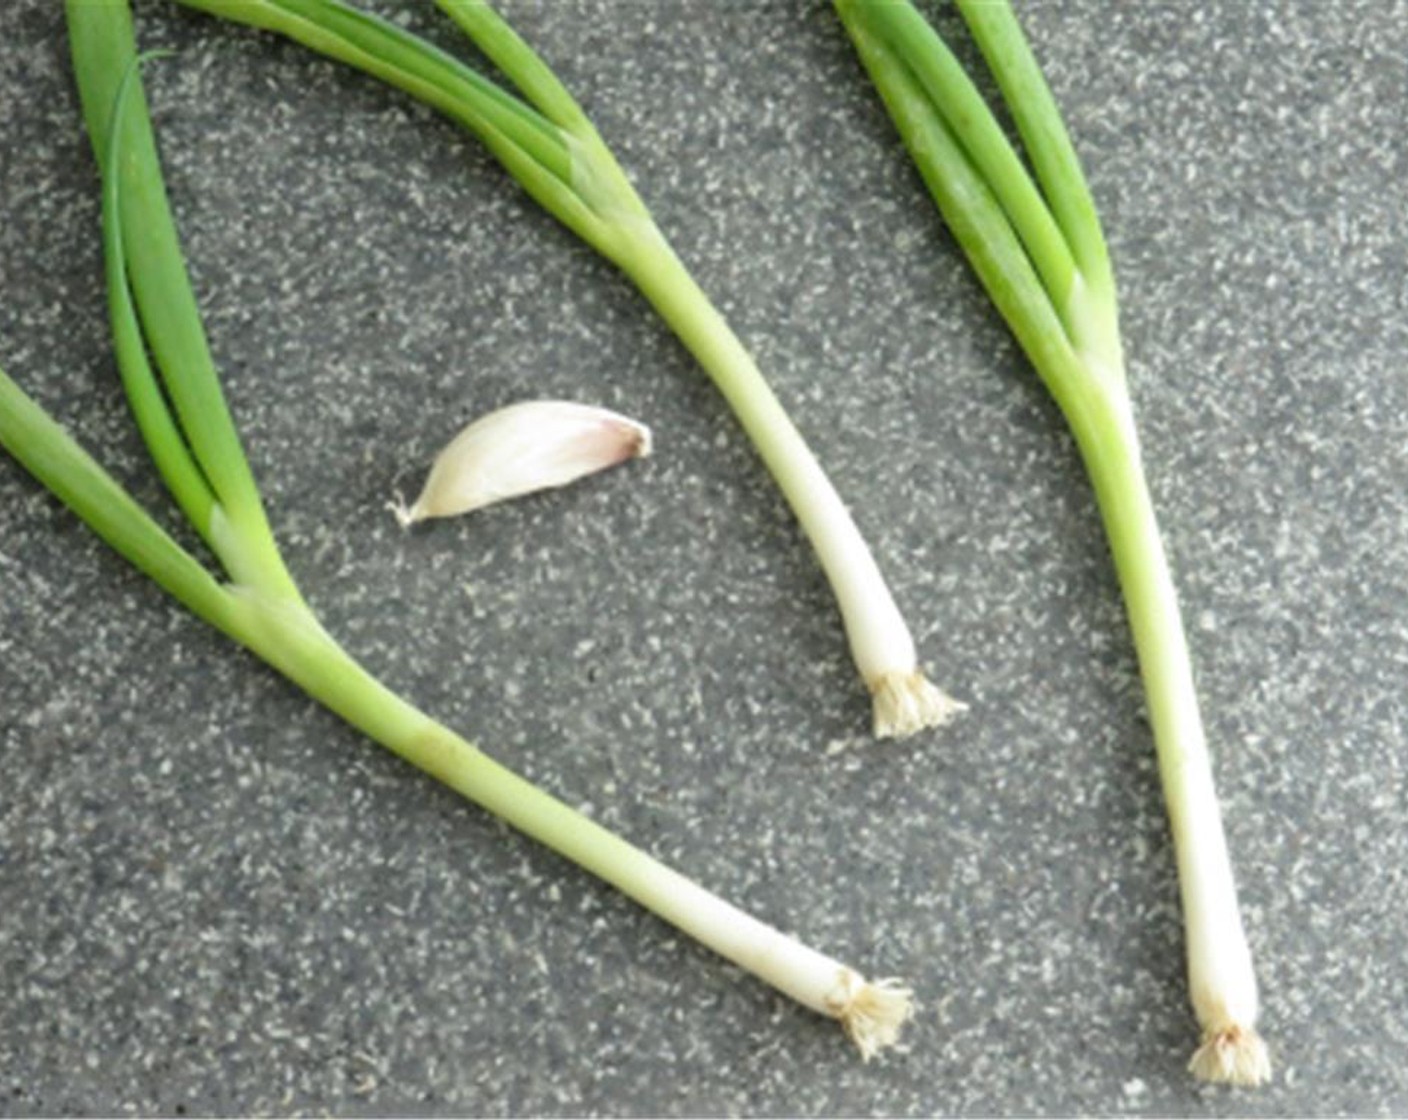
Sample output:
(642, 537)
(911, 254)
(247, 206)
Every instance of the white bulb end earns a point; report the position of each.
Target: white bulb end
(1233, 1055)
(873, 1014)
(907, 703)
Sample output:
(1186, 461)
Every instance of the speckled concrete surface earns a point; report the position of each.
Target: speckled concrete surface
(214, 897)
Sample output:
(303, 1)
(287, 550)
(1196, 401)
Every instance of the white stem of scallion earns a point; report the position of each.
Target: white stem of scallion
(289, 637)
(903, 699)
(1221, 981)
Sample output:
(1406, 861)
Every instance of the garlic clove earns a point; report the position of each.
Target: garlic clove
(525, 447)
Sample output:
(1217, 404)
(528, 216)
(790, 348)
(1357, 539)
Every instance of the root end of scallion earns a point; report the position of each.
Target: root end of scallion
(1233, 1055)
(907, 703)
(872, 1013)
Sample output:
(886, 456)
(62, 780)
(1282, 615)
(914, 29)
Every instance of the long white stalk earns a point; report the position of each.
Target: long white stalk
(291, 639)
(904, 701)
(1221, 981)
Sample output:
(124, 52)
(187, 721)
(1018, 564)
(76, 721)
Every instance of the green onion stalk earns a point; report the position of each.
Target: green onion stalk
(545, 141)
(1038, 248)
(179, 407)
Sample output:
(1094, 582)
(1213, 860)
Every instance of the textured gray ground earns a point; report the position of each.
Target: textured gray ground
(214, 897)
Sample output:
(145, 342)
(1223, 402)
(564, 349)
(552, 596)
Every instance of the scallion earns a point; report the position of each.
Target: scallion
(547, 143)
(1039, 250)
(256, 602)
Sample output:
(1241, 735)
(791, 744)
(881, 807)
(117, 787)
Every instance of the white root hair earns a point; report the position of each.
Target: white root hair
(872, 1012)
(1232, 1055)
(907, 703)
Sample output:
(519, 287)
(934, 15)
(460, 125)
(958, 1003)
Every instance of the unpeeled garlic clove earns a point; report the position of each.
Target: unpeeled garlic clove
(529, 446)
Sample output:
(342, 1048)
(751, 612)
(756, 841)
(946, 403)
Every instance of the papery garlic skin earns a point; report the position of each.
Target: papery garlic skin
(520, 449)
